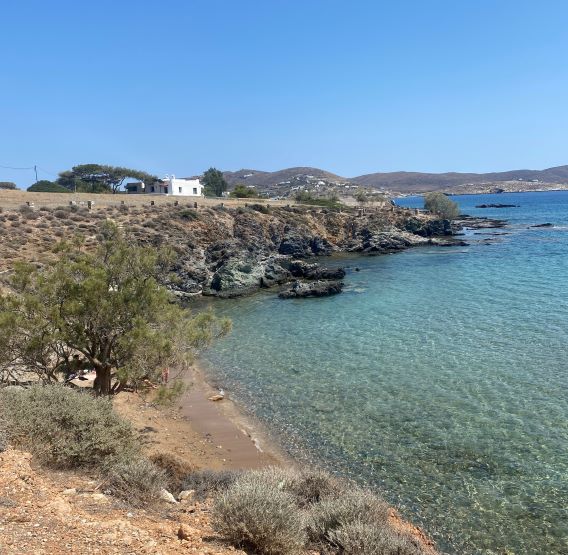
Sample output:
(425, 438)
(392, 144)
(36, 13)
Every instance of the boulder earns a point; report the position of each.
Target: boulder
(237, 276)
(301, 269)
(320, 288)
(165, 495)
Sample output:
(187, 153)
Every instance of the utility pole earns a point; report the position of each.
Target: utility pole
(35, 170)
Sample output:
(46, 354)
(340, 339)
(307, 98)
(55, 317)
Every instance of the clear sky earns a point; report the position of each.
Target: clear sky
(353, 86)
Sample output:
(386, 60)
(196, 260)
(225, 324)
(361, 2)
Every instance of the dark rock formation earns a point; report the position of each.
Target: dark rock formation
(320, 288)
(543, 225)
(497, 205)
(300, 269)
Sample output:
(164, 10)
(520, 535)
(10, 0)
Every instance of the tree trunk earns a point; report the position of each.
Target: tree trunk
(102, 380)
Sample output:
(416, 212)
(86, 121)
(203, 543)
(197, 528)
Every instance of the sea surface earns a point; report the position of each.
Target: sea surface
(440, 377)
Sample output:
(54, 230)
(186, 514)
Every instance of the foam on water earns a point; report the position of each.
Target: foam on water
(439, 376)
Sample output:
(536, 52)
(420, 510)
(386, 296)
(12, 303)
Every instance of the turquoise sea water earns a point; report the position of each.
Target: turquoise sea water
(439, 376)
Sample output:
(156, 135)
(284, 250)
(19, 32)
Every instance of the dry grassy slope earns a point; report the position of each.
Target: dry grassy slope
(31, 234)
(56, 513)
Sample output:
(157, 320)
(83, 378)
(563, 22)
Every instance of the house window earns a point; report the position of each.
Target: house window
(195, 190)
(179, 190)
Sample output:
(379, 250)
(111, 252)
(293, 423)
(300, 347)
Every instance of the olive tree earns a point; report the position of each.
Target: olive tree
(106, 308)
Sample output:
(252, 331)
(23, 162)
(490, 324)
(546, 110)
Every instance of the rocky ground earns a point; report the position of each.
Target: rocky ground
(54, 513)
(227, 251)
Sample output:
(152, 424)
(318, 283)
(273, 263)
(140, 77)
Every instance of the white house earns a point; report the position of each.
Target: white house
(170, 185)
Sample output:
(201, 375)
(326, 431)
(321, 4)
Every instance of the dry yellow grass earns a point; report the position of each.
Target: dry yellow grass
(11, 200)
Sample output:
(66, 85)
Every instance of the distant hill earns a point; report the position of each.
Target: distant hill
(271, 179)
(418, 182)
(282, 181)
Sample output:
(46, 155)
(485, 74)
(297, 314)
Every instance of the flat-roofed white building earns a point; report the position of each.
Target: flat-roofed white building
(169, 185)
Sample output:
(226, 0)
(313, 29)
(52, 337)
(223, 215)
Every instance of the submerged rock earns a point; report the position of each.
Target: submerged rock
(497, 205)
(301, 269)
(320, 288)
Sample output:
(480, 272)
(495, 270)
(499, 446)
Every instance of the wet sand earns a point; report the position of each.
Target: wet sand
(208, 434)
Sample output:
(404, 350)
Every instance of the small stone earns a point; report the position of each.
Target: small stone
(186, 494)
(167, 496)
(70, 491)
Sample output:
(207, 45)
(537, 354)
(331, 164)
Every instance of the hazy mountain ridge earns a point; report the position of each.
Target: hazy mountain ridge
(403, 182)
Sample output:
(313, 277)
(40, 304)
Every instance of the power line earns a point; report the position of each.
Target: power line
(12, 168)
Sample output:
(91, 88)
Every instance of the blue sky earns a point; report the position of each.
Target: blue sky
(353, 87)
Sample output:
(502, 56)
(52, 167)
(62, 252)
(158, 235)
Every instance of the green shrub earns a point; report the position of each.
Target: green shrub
(334, 513)
(256, 515)
(441, 205)
(45, 186)
(189, 214)
(137, 481)
(207, 483)
(3, 436)
(66, 428)
(362, 538)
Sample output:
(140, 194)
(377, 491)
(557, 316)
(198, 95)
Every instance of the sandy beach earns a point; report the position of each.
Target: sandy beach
(208, 434)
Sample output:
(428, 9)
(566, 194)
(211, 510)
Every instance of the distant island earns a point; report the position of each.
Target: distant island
(287, 181)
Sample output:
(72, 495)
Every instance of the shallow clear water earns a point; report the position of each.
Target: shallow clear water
(439, 376)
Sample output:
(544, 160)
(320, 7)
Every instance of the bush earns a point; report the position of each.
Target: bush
(3, 436)
(45, 186)
(175, 469)
(189, 214)
(66, 428)
(334, 513)
(441, 205)
(304, 197)
(8, 185)
(206, 483)
(361, 538)
(313, 486)
(61, 214)
(137, 481)
(256, 515)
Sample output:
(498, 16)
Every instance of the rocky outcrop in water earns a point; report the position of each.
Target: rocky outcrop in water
(320, 288)
(228, 252)
(497, 205)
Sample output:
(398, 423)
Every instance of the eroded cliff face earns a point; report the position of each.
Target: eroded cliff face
(228, 252)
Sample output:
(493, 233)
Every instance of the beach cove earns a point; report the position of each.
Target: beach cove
(427, 379)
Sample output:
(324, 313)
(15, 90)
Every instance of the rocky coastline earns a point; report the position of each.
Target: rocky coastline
(236, 252)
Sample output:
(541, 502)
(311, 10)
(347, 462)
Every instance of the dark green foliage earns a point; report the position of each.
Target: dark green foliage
(97, 178)
(441, 205)
(305, 197)
(262, 208)
(214, 183)
(106, 307)
(188, 214)
(65, 428)
(9, 185)
(45, 186)
(242, 191)
(136, 481)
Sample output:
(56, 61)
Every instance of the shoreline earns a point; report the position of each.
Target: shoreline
(228, 424)
(212, 435)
